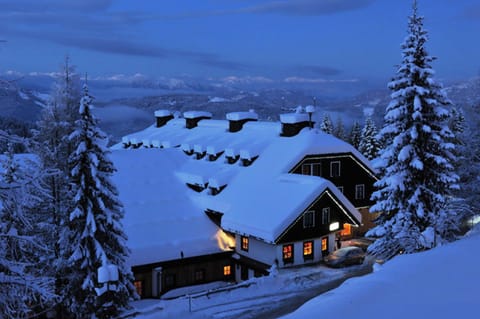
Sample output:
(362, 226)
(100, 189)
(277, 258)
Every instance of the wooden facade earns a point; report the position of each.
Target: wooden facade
(350, 175)
(155, 279)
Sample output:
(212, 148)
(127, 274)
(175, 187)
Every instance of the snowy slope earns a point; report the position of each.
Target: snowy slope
(441, 283)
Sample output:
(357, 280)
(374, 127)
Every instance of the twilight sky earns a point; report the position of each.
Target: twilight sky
(260, 40)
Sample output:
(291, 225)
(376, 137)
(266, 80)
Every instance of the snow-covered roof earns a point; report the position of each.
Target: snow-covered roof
(238, 116)
(162, 113)
(292, 118)
(160, 220)
(164, 216)
(196, 114)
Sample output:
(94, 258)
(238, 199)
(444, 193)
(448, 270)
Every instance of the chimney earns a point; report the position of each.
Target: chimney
(163, 116)
(193, 117)
(237, 119)
(293, 123)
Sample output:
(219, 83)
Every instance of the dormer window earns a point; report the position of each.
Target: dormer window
(314, 169)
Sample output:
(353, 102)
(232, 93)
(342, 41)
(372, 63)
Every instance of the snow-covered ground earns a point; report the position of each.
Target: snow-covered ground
(440, 283)
(265, 297)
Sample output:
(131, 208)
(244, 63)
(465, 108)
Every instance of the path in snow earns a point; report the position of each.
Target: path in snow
(265, 297)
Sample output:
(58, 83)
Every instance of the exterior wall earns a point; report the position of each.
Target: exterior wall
(367, 222)
(297, 232)
(258, 250)
(352, 173)
(298, 251)
(158, 278)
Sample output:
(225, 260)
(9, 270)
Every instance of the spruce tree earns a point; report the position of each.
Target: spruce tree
(95, 236)
(417, 162)
(355, 135)
(326, 125)
(369, 144)
(339, 130)
(52, 146)
(25, 287)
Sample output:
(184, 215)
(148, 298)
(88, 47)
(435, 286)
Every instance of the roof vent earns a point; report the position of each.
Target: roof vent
(163, 116)
(293, 123)
(237, 119)
(193, 117)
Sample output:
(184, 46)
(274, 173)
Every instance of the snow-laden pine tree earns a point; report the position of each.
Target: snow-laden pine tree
(53, 147)
(417, 162)
(25, 286)
(326, 125)
(339, 129)
(369, 144)
(95, 235)
(355, 135)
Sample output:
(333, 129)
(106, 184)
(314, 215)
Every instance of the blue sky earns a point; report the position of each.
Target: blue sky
(261, 40)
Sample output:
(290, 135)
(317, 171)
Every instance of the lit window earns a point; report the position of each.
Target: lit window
(309, 219)
(360, 191)
(227, 270)
(335, 169)
(288, 253)
(138, 287)
(308, 250)
(244, 243)
(347, 230)
(324, 244)
(326, 215)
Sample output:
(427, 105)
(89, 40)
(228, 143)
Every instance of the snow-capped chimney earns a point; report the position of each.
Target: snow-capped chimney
(237, 119)
(293, 123)
(163, 116)
(193, 117)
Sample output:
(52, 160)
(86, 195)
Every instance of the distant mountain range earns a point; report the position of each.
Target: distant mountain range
(126, 104)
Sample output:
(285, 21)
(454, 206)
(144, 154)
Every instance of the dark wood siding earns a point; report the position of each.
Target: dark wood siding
(296, 231)
(351, 174)
(183, 272)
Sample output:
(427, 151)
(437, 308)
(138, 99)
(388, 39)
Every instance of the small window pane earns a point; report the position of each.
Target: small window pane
(309, 219)
(244, 245)
(326, 215)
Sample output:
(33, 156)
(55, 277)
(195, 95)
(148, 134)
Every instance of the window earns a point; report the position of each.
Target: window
(347, 230)
(199, 275)
(340, 188)
(288, 253)
(138, 287)
(360, 191)
(244, 245)
(335, 169)
(309, 219)
(314, 169)
(227, 270)
(306, 169)
(324, 246)
(326, 215)
(307, 250)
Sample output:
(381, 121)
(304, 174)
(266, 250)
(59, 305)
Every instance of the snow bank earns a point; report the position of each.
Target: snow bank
(442, 283)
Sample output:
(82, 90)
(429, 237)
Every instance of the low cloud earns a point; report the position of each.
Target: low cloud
(306, 7)
(297, 79)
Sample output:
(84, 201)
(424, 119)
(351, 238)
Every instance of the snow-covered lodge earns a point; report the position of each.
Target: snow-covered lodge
(209, 200)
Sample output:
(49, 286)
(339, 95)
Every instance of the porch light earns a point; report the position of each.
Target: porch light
(334, 226)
